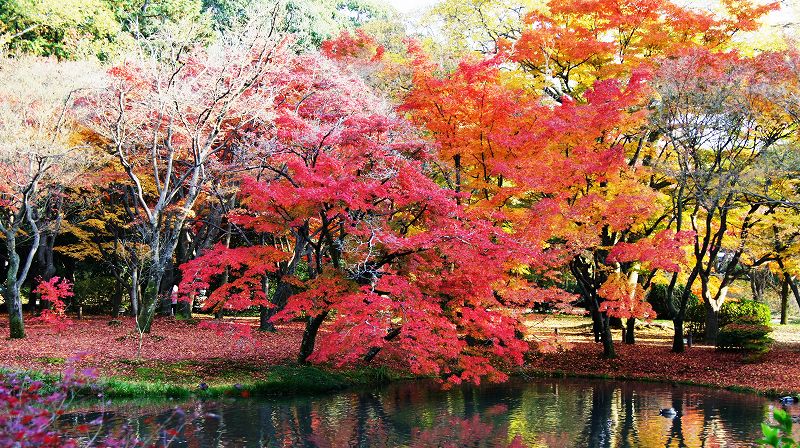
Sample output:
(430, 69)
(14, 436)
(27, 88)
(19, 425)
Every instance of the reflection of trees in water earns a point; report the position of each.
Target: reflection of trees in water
(599, 429)
(540, 413)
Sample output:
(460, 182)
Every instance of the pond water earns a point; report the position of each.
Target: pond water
(525, 413)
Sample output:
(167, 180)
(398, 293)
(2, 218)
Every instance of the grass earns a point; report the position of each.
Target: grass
(280, 380)
(176, 380)
(52, 360)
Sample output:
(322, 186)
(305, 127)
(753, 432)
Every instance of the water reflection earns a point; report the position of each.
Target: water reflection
(535, 413)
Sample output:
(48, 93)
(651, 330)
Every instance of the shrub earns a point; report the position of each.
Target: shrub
(735, 311)
(730, 312)
(747, 333)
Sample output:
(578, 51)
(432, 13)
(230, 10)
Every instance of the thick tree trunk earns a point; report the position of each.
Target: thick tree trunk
(12, 284)
(15, 321)
(712, 325)
(149, 304)
(185, 307)
(608, 341)
(677, 337)
(264, 316)
(310, 337)
(630, 329)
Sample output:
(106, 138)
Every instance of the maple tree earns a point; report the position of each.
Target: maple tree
(54, 291)
(569, 45)
(531, 166)
(381, 245)
(518, 139)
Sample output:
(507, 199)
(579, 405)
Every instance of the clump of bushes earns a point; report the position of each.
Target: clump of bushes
(747, 333)
(731, 312)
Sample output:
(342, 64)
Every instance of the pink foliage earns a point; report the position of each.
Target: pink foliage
(54, 291)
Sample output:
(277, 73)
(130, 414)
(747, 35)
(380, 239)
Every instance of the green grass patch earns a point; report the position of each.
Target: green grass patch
(51, 360)
(179, 380)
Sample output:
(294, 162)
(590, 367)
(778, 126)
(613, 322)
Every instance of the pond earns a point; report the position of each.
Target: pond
(522, 412)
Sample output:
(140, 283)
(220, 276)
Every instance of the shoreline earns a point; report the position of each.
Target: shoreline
(303, 381)
(176, 358)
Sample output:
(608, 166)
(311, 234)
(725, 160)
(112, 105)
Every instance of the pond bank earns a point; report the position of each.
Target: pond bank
(179, 356)
(288, 380)
(777, 374)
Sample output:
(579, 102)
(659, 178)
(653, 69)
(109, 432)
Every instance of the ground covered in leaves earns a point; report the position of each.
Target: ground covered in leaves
(777, 373)
(190, 352)
(175, 351)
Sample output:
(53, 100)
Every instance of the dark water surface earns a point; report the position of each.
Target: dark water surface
(531, 413)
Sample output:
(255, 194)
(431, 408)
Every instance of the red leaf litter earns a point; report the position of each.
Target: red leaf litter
(111, 348)
(777, 373)
(234, 342)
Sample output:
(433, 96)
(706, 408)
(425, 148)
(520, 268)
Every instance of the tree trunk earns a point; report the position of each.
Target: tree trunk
(310, 337)
(677, 338)
(608, 341)
(264, 316)
(149, 304)
(630, 337)
(11, 288)
(165, 290)
(264, 312)
(134, 292)
(596, 325)
(759, 279)
(784, 299)
(15, 322)
(373, 351)
(47, 268)
(712, 325)
(185, 307)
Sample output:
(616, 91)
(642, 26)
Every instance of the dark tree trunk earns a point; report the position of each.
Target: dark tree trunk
(310, 337)
(46, 265)
(373, 351)
(596, 326)
(264, 316)
(677, 337)
(630, 327)
(784, 299)
(608, 341)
